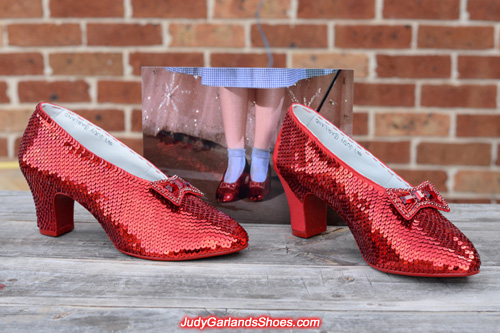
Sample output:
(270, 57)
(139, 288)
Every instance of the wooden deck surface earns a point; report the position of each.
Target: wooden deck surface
(80, 283)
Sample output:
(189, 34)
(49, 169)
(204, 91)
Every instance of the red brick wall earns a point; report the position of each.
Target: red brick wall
(426, 94)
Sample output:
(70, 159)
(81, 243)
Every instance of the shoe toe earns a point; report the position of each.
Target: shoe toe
(463, 258)
(430, 245)
(227, 197)
(223, 236)
(452, 253)
(226, 194)
(213, 232)
(239, 237)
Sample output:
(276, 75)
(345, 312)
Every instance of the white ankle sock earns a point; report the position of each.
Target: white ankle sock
(235, 165)
(260, 164)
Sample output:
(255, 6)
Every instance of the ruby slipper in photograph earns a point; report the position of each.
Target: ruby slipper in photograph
(398, 228)
(257, 191)
(145, 213)
(229, 192)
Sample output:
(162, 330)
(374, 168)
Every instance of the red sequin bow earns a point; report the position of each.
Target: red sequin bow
(409, 201)
(174, 188)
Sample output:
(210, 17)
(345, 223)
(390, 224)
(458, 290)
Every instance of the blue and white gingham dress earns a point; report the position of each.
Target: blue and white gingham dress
(237, 77)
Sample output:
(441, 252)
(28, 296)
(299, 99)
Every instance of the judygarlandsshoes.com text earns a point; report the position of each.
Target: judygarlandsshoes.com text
(202, 323)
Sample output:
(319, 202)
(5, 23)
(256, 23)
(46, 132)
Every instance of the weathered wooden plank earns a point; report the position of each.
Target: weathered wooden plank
(96, 319)
(79, 280)
(269, 244)
(16, 206)
(474, 212)
(266, 287)
(272, 244)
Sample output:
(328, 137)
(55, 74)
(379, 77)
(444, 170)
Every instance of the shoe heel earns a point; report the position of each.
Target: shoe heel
(54, 211)
(308, 218)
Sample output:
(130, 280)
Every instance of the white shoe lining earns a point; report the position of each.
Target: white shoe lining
(102, 144)
(348, 150)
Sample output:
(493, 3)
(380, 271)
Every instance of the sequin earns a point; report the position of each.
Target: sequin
(228, 192)
(257, 191)
(162, 220)
(395, 233)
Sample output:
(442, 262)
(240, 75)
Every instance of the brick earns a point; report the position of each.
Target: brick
(338, 9)
(373, 36)
(478, 67)
(388, 151)
(18, 9)
(86, 63)
(356, 61)
(134, 144)
(422, 9)
(410, 124)
(246, 60)
(384, 94)
(498, 155)
(416, 177)
(441, 37)
(209, 35)
(427, 66)
(296, 36)
(169, 8)
(477, 181)
(21, 64)
(485, 10)
(44, 34)
(1, 35)
(360, 123)
(454, 153)
(248, 8)
(3, 147)
(124, 34)
(136, 120)
(17, 143)
(57, 91)
(14, 120)
(109, 120)
(478, 125)
(3, 93)
(467, 96)
(180, 59)
(123, 92)
(86, 8)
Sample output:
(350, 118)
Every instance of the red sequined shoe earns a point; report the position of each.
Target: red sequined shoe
(397, 227)
(227, 192)
(257, 191)
(145, 213)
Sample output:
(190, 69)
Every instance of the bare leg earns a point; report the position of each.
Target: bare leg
(267, 114)
(269, 103)
(234, 104)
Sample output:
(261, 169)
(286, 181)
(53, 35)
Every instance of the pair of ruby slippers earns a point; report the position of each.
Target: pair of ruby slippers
(243, 187)
(147, 214)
